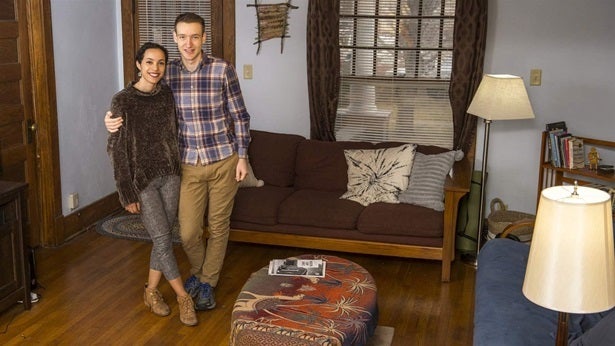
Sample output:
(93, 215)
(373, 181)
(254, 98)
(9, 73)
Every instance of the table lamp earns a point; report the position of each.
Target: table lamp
(571, 265)
(498, 97)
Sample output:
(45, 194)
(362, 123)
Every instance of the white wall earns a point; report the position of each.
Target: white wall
(277, 96)
(87, 69)
(571, 41)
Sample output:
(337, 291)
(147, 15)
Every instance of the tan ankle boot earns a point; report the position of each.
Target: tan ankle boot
(154, 301)
(187, 315)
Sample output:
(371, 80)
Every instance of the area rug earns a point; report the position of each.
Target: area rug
(129, 227)
(383, 336)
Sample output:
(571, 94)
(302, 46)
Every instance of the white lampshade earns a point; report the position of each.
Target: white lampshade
(571, 265)
(501, 97)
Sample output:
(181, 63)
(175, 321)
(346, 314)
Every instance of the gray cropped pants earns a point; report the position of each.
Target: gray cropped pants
(159, 201)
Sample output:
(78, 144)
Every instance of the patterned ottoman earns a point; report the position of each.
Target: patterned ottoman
(338, 309)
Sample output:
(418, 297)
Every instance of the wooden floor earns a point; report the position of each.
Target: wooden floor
(91, 293)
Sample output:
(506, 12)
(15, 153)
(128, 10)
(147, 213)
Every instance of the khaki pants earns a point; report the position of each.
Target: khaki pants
(207, 187)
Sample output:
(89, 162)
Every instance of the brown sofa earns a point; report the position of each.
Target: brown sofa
(299, 204)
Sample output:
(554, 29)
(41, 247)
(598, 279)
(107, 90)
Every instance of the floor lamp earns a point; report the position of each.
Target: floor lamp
(498, 97)
(571, 265)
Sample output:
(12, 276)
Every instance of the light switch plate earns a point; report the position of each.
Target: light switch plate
(535, 77)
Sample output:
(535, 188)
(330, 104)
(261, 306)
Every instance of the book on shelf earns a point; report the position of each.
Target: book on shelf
(555, 152)
(298, 267)
(563, 149)
(578, 153)
(559, 125)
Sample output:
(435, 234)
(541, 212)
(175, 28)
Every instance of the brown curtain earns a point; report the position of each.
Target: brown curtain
(323, 65)
(468, 57)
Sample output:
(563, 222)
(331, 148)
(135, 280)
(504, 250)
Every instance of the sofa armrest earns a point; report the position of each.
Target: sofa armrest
(456, 186)
(460, 178)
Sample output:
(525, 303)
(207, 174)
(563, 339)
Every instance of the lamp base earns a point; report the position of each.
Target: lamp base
(469, 259)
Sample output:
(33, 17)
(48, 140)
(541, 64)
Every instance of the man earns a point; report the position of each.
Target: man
(213, 141)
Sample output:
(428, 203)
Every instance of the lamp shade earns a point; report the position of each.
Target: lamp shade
(501, 97)
(571, 265)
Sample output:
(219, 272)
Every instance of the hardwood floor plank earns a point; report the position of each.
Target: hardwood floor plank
(92, 287)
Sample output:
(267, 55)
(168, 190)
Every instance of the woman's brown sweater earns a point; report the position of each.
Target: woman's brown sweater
(145, 147)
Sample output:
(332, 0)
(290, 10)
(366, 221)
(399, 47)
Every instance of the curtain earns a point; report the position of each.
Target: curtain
(468, 58)
(323, 65)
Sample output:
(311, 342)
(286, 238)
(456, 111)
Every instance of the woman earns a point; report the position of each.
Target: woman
(146, 163)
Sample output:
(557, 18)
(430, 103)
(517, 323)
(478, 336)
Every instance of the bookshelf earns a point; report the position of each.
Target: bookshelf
(549, 175)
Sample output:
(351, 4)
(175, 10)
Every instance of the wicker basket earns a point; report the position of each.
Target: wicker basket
(499, 218)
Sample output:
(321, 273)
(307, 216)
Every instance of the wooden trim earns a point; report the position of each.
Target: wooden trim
(129, 34)
(333, 244)
(228, 26)
(45, 115)
(79, 221)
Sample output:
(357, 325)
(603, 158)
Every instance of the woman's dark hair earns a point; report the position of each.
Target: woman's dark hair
(189, 17)
(150, 45)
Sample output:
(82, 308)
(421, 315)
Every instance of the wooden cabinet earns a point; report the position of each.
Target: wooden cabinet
(550, 175)
(14, 273)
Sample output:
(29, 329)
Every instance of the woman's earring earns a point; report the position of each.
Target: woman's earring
(139, 74)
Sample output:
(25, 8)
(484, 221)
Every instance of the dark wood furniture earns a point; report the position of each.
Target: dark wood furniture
(549, 175)
(14, 273)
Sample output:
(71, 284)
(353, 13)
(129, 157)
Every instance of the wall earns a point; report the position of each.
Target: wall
(87, 72)
(571, 41)
(277, 96)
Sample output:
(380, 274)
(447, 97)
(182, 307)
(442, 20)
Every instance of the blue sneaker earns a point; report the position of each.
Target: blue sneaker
(205, 299)
(192, 286)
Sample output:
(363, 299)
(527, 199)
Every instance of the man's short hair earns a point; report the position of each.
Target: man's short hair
(189, 17)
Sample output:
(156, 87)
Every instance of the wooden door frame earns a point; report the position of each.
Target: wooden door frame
(54, 227)
(45, 115)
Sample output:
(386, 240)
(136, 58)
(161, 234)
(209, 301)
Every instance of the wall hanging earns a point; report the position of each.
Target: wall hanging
(272, 22)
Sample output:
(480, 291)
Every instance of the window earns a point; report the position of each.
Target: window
(396, 62)
(157, 19)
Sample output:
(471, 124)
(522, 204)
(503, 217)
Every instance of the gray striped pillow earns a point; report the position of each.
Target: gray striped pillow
(426, 186)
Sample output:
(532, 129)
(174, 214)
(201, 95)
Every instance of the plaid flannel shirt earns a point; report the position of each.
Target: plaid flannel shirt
(213, 122)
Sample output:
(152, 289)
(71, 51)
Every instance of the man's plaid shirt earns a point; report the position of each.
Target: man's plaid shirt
(213, 122)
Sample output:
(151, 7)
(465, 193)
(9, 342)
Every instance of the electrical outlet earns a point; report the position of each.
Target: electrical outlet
(73, 201)
(535, 77)
(247, 71)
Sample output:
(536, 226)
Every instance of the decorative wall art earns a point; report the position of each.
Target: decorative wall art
(272, 22)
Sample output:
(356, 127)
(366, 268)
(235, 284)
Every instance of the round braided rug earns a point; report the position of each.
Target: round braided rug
(129, 227)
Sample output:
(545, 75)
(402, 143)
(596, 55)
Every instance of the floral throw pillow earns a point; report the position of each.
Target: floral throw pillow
(378, 175)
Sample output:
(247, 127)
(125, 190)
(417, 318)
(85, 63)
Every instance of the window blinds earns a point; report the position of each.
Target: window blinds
(396, 59)
(157, 19)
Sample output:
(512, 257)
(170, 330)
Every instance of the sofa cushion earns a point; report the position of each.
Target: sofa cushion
(319, 209)
(601, 330)
(272, 156)
(400, 219)
(426, 185)
(322, 165)
(499, 281)
(378, 175)
(259, 204)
